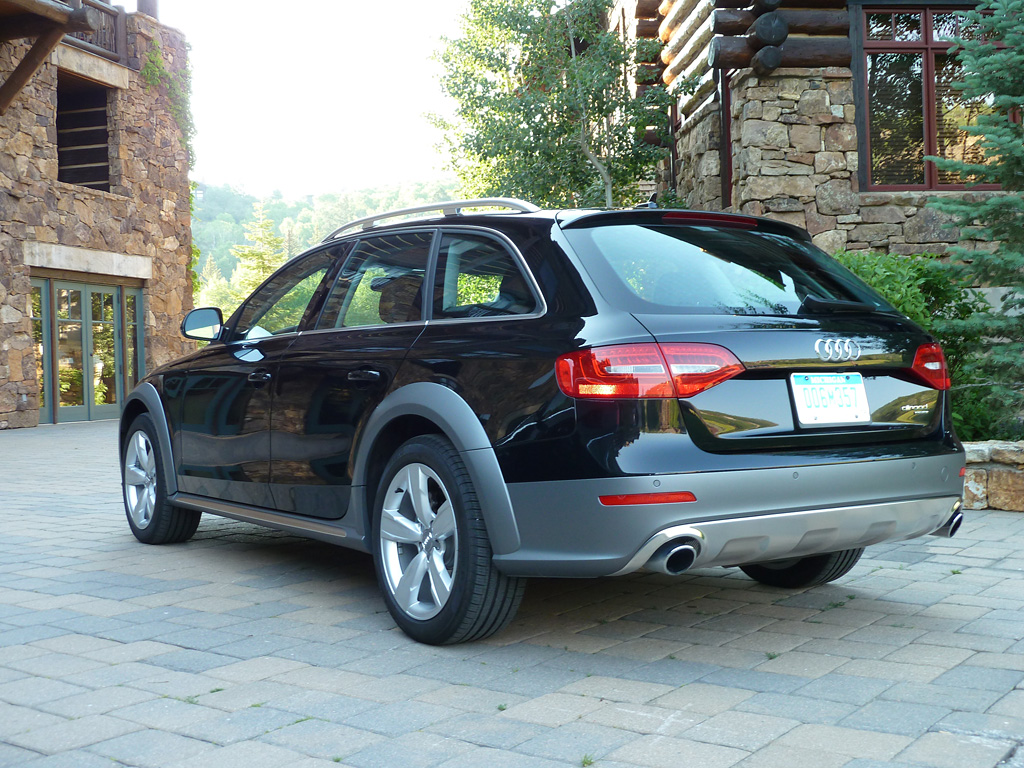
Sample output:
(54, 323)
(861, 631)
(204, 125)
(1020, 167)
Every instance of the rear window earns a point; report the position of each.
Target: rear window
(665, 268)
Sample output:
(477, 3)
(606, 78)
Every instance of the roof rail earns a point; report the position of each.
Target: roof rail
(450, 208)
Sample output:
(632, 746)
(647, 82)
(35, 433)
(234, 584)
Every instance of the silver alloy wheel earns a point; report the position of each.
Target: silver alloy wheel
(418, 541)
(140, 479)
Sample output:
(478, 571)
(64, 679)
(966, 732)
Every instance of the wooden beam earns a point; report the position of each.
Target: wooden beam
(836, 4)
(737, 52)
(676, 15)
(766, 60)
(814, 22)
(694, 41)
(647, 28)
(683, 34)
(647, 9)
(30, 25)
(801, 22)
(732, 21)
(762, 7)
(48, 9)
(770, 29)
(29, 65)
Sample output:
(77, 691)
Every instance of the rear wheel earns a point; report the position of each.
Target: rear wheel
(151, 516)
(804, 571)
(431, 549)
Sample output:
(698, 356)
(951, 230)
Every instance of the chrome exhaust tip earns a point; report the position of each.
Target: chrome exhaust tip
(952, 525)
(674, 557)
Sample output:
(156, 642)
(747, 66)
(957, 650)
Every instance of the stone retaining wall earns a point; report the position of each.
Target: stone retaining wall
(995, 476)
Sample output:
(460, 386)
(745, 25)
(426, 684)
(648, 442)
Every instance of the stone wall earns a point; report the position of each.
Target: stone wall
(145, 214)
(995, 476)
(795, 158)
(698, 147)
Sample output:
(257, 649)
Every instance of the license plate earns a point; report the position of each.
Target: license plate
(824, 399)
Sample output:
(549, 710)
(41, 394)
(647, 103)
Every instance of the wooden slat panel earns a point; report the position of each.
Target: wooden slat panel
(676, 16)
(685, 31)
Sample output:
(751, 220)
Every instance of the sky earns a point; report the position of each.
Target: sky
(314, 96)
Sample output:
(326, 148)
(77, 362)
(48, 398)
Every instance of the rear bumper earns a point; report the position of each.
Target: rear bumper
(742, 516)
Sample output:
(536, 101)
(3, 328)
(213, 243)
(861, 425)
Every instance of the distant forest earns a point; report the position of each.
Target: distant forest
(221, 214)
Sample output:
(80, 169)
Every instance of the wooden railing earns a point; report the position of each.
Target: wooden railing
(109, 39)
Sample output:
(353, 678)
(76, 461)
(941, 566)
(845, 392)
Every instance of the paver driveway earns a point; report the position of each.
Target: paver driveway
(247, 647)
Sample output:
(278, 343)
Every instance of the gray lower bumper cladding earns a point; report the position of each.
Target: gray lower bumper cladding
(738, 517)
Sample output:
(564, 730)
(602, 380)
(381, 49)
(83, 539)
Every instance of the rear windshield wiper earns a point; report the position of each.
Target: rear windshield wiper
(812, 305)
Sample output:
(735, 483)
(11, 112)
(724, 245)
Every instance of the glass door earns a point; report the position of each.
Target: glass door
(103, 344)
(41, 340)
(88, 337)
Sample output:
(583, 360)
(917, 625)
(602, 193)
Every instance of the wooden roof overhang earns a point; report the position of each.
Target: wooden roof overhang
(763, 34)
(44, 21)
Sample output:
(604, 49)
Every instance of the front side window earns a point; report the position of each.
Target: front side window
(380, 284)
(913, 109)
(278, 306)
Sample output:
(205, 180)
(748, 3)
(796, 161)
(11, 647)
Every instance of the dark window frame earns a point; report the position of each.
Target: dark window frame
(929, 48)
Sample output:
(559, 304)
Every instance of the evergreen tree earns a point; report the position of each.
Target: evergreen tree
(993, 65)
(264, 253)
(216, 291)
(545, 110)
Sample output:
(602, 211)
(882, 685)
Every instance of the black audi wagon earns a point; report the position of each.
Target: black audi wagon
(481, 391)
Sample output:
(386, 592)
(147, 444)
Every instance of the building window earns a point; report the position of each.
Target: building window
(913, 110)
(83, 140)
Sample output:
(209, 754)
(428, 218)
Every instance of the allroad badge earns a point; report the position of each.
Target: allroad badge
(837, 350)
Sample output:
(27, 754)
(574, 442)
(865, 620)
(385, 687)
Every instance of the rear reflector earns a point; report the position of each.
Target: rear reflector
(647, 498)
(650, 370)
(963, 471)
(930, 366)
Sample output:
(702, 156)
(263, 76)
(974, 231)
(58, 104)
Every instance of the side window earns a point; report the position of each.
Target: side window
(380, 284)
(478, 277)
(278, 305)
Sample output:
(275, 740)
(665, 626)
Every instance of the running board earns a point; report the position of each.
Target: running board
(332, 533)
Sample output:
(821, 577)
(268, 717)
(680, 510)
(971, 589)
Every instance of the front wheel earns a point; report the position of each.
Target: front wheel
(804, 571)
(152, 518)
(431, 549)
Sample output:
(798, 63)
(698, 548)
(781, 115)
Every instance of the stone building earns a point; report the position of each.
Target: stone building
(95, 226)
(817, 112)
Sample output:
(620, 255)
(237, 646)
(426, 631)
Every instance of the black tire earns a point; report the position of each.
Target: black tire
(438, 580)
(804, 571)
(152, 518)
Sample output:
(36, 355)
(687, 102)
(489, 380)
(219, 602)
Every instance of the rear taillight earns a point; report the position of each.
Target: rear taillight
(930, 366)
(697, 367)
(644, 370)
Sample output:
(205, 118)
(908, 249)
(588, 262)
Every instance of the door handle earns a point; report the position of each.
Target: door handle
(364, 375)
(260, 377)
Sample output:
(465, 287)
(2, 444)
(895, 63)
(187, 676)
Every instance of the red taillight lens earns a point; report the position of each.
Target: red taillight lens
(930, 366)
(644, 370)
(624, 371)
(697, 367)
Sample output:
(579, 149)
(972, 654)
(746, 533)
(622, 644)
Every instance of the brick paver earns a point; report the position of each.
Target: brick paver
(251, 647)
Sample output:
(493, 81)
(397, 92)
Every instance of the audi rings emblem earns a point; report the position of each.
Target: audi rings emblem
(837, 350)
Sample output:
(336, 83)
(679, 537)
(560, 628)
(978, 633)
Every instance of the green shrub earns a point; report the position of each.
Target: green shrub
(935, 297)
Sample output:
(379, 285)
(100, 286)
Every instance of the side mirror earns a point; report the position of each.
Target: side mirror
(203, 324)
